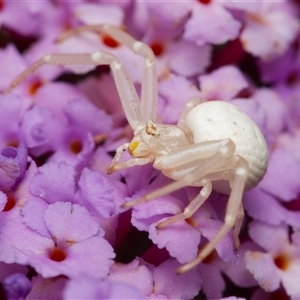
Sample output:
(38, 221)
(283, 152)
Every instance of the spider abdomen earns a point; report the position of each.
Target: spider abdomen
(216, 120)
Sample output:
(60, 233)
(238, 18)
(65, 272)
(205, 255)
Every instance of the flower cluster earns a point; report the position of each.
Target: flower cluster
(63, 231)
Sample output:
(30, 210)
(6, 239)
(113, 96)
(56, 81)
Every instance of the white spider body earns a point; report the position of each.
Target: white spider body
(219, 120)
(214, 144)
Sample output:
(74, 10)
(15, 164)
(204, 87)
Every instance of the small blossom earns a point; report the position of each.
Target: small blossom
(17, 286)
(70, 252)
(281, 261)
(269, 31)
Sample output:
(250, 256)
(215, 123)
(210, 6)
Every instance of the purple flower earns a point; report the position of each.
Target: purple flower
(13, 164)
(201, 30)
(222, 84)
(176, 89)
(161, 282)
(69, 244)
(281, 261)
(16, 286)
(56, 182)
(270, 30)
(11, 113)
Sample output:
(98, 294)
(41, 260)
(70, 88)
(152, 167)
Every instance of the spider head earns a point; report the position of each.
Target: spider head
(157, 139)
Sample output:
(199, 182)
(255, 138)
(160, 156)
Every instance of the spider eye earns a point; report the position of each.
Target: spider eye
(151, 129)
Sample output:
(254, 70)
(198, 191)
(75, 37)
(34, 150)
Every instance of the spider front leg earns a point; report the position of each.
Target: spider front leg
(116, 165)
(149, 82)
(137, 112)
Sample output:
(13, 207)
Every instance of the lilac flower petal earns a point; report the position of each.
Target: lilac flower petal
(175, 91)
(188, 59)
(87, 116)
(265, 36)
(15, 236)
(200, 29)
(33, 215)
(257, 203)
(161, 205)
(145, 215)
(136, 273)
(170, 14)
(238, 273)
(43, 288)
(296, 237)
(70, 222)
(172, 237)
(174, 286)
(56, 95)
(91, 13)
(262, 267)
(89, 288)
(39, 127)
(225, 249)
(93, 256)
(12, 65)
(101, 162)
(3, 200)
(81, 258)
(274, 108)
(67, 144)
(13, 164)
(213, 283)
(96, 194)
(144, 173)
(29, 16)
(290, 282)
(21, 159)
(11, 113)
(283, 185)
(271, 238)
(104, 89)
(9, 172)
(253, 109)
(17, 286)
(243, 6)
(222, 84)
(54, 182)
(22, 193)
(119, 192)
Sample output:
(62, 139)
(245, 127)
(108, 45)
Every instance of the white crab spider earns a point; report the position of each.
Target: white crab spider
(214, 145)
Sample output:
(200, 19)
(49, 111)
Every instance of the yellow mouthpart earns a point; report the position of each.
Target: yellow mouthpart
(132, 147)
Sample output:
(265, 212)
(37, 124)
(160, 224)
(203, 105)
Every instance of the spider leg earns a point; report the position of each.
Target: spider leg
(189, 105)
(137, 161)
(238, 225)
(124, 84)
(137, 112)
(117, 157)
(208, 155)
(149, 83)
(232, 211)
(192, 207)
